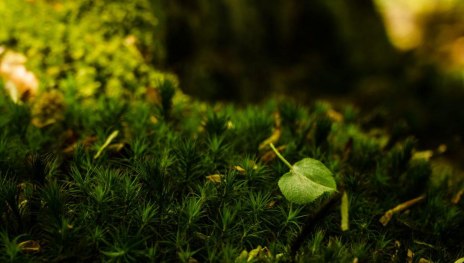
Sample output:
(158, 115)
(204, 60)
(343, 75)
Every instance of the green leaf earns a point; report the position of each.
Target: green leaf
(307, 180)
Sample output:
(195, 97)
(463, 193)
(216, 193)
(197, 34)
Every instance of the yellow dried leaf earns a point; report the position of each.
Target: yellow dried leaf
(335, 116)
(23, 204)
(272, 139)
(270, 155)
(426, 155)
(386, 218)
(130, 40)
(457, 197)
(407, 204)
(409, 256)
(394, 257)
(215, 178)
(70, 148)
(401, 207)
(110, 138)
(29, 246)
(254, 253)
(442, 148)
(242, 257)
(275, 136)
(240, 169)
(153, 119)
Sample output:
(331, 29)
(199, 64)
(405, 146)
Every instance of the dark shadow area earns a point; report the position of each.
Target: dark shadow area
(244, 52)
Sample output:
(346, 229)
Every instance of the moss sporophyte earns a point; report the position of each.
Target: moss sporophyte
(307, 180)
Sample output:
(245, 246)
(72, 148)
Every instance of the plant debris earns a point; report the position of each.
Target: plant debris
(399, 208)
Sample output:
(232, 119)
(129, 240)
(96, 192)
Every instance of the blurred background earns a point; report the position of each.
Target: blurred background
(401, 62)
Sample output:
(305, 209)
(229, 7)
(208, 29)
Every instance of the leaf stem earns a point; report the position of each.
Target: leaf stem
(280, 156)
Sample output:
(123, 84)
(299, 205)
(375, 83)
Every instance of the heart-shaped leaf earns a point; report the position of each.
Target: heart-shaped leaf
(307, 180)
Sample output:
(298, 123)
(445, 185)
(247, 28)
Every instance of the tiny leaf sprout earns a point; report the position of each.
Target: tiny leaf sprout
(307, 180)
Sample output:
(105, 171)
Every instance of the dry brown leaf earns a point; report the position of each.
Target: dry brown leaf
(271, 204)
(48, 109)
(70, 148)
(116, 147)
(270, 155)
(88, 141)
(153, 96)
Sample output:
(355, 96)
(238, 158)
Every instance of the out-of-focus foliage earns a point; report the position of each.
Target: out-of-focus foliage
(238, 49)
(21, 83)
(247, 50)
(101, 47)
(434, 29)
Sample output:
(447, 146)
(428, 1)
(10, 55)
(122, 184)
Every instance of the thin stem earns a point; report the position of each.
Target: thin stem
(280, 156)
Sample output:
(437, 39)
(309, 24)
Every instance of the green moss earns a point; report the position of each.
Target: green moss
(84, 47)
(151, 199)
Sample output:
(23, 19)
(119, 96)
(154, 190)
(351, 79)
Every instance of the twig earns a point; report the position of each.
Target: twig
(401, 207)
